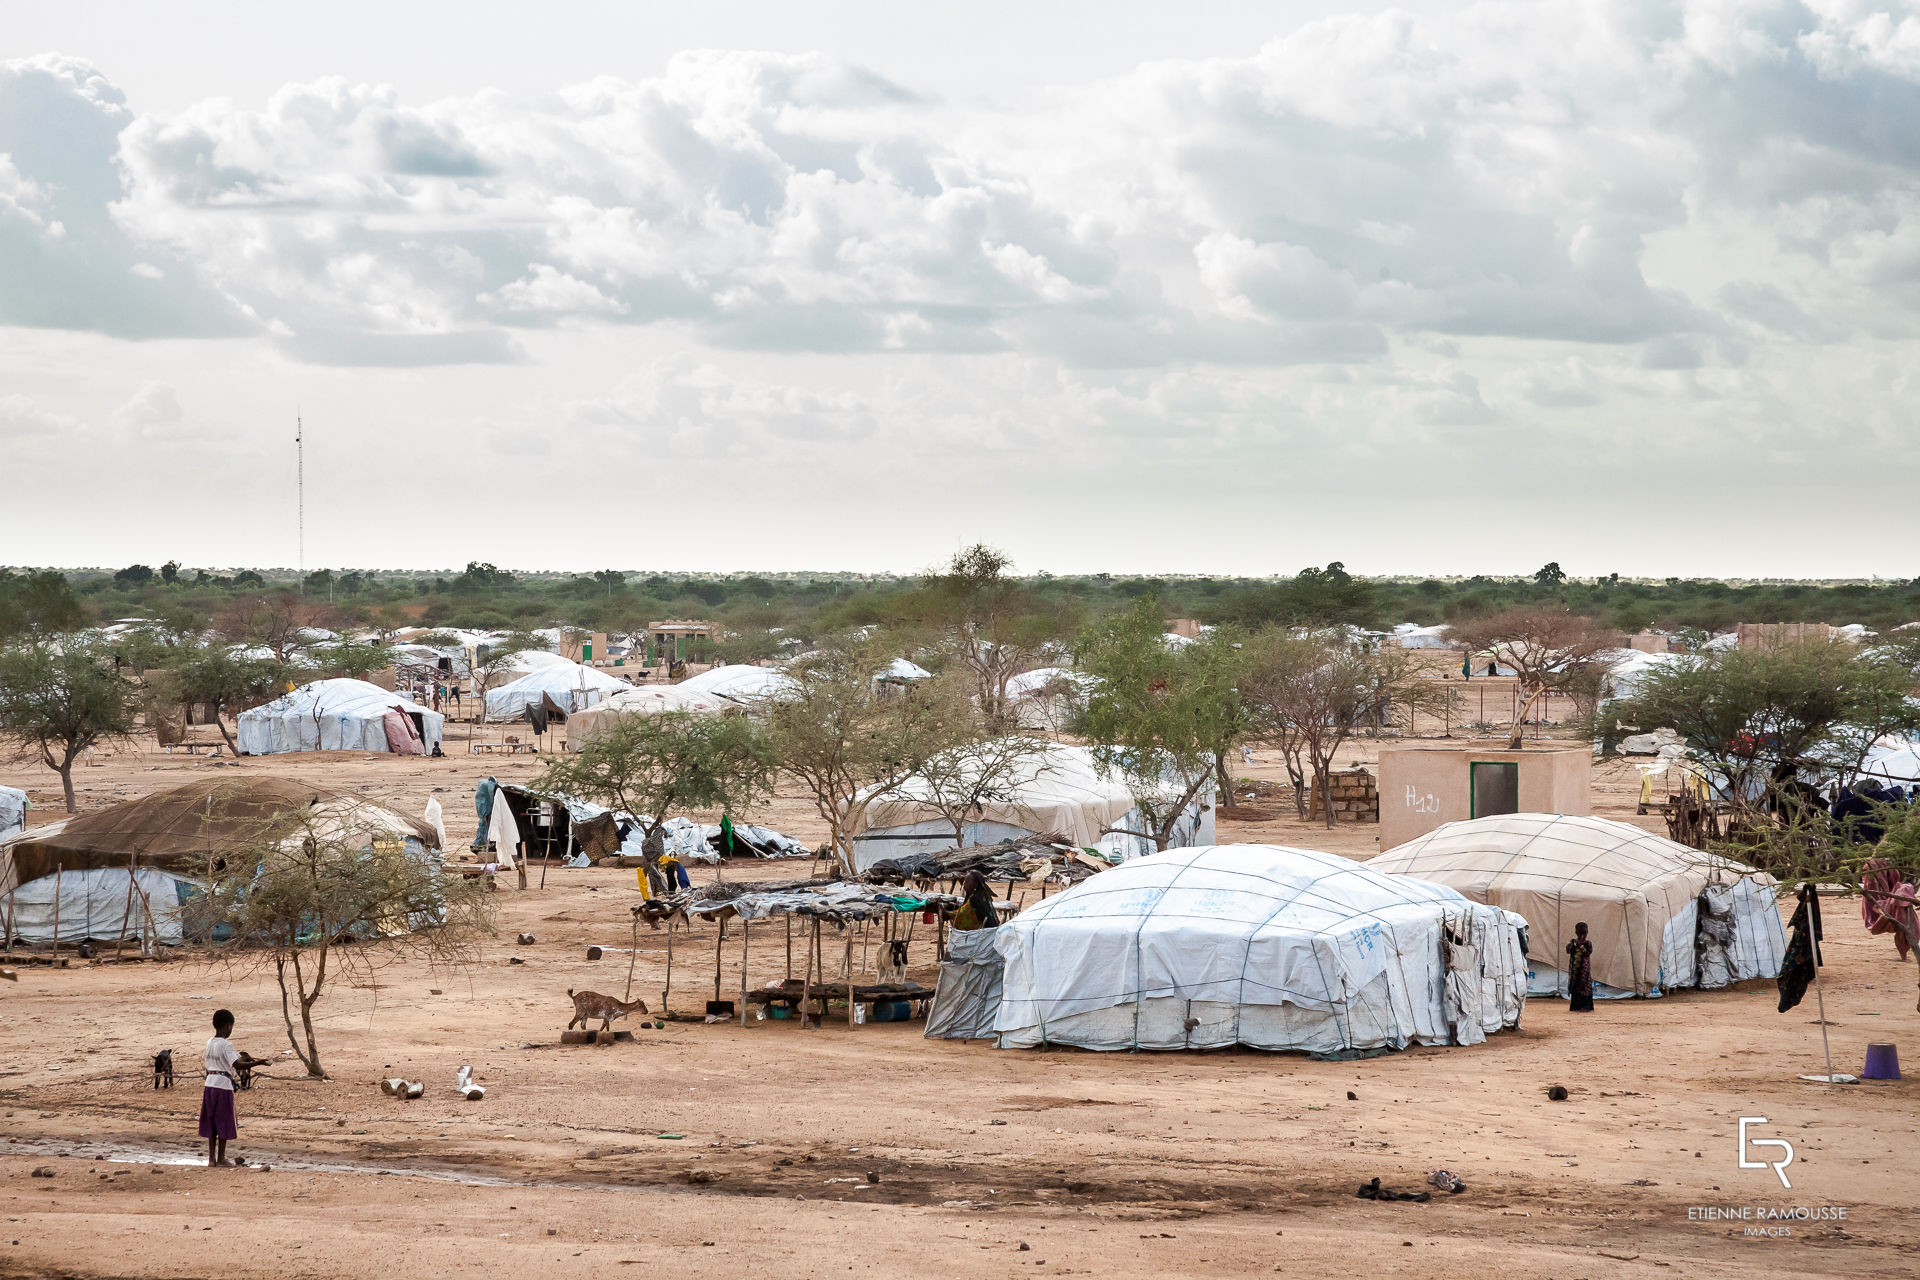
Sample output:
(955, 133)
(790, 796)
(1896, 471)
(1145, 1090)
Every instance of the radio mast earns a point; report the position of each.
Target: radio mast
(300, 470)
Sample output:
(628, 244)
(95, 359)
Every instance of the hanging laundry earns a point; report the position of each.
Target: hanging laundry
(1887, 903)
(1803, 949)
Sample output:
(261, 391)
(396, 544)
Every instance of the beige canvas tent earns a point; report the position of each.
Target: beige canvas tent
(1059, 791)
(1646, 900)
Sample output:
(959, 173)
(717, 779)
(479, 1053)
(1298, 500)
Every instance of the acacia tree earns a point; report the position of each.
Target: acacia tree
(848, 743)
(58, 701)
(1159, 717)
(331, 889)
(1549, 651)
(279, 621)
(221, 676)
(1753, 718)
(648, 765)
(991, 625)
(961, 782)
(38, 603)
(1310, 692)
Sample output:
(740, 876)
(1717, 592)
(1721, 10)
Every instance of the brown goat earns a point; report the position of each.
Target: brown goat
(588, 1005)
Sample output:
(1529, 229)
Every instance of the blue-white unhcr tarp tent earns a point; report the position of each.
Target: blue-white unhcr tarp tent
(1258, 945)
(340, 715)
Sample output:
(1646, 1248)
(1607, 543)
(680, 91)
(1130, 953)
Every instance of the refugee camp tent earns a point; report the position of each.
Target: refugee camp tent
(180, 833)
(1627, 674)
(340, 715)
(740, 683)
(1651, 905)
(100, 905)
(13, 810)
(1890, 759)
(644, 700)
(567, 685)
(1059, 791)
(1410, 635)
(901, 670)
(1259, 945)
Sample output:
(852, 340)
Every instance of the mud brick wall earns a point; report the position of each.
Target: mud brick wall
(1356, 798)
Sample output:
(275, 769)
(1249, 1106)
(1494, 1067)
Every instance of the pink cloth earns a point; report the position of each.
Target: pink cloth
(402, 738)
(1887, 905)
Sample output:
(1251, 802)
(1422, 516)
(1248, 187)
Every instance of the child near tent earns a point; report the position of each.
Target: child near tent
(1580, 971)
(218, 1123)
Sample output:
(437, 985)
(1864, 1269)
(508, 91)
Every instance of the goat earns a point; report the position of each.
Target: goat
(163, 1069)
(588, 1005)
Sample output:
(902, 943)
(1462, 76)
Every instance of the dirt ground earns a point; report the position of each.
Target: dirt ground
(773, 1151)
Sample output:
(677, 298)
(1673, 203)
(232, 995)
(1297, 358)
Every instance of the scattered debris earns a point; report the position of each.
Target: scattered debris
(44, 1171)
(1352, 1096)
(1557, 1092)
(1447, 1182)
(525, 939)
(701, 1177)
(594, 953)
(464, 1086)
(395, 1087)
(1374, 1191)
(515, 960)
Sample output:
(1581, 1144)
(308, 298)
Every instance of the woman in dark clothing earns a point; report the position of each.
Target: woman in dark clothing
(978, 912)
(1580, 971)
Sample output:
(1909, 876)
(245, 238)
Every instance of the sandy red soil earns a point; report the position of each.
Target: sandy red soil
(1152, 1164)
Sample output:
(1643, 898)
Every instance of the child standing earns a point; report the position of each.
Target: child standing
(217, 1120)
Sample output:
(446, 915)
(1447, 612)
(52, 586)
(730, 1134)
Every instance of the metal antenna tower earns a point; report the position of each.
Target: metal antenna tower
(300, 465)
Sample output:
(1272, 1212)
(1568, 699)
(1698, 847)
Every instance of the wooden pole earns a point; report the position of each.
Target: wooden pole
(633, 957)
(10, 894)
(121, 941)
(744, 930)
(667, 994)
(1819, 997)
(788, 917)
(847, 965)
(59, 879)
(806, 985)
(718, 943)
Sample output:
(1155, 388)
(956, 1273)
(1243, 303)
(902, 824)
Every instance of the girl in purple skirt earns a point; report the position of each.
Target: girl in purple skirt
(217, 1120)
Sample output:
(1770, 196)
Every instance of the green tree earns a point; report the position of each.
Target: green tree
(1549, 574)
(39, 603)
(849, 740)
(59, 701)
(1755, 717)
(650, 765)
(1159, 717)
(991, 624)
(223, 678)
(1548, 651)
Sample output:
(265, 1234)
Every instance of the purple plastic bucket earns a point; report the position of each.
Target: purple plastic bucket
(1883, 1063)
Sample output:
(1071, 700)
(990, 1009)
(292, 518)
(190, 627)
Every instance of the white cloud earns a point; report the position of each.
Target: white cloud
(154, 405)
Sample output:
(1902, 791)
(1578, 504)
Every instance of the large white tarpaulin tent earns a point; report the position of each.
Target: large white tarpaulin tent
(340, 715)
(569, 686)
(1641, 896)
(1057, 791)
(1258, 945)
(648, 700)
(740, 683)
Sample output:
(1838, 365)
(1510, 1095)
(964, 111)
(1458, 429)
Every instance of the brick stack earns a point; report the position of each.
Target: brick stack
(1356, 798)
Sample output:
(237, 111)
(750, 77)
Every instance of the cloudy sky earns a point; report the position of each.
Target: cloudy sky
(1215, 287)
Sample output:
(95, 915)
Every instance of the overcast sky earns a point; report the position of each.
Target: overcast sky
(1213, 287)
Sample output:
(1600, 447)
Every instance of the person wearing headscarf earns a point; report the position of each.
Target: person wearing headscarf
(1580, 971)
(977, 912)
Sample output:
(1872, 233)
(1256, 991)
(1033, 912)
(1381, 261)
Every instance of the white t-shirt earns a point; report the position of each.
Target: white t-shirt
(221, 1055)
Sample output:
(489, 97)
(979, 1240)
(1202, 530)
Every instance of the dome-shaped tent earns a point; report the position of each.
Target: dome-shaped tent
(570, 685)
(645, 700)
(340, 715)
(1270, 947)
(1057, 791)
(739, 682)
(1641, 896)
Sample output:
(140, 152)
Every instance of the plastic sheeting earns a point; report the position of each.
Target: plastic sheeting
(13, 810)
(740, 683)
(644, 700)
(1636, 892)
(331, 715)
(572, 687)
(1060, 791)
(966, 999)
(100, 903)
(1260, 945)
